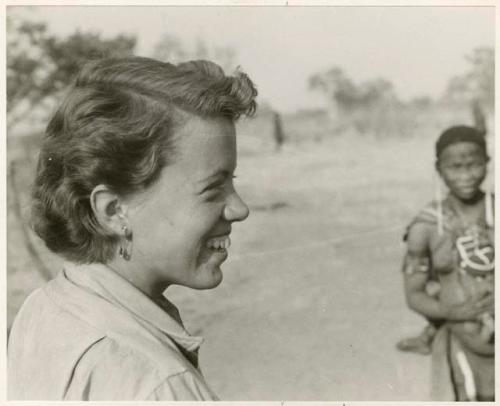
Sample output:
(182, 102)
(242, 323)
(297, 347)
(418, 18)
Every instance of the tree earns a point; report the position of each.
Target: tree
(482, 75)
(336, 86)
(368, 106)
(346, 96)
(477, 84)
(377, 91)
(170, 48)
(26, 65)
(39, 65)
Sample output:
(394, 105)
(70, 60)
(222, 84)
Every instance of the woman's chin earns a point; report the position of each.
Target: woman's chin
(209, 277)
(208, 268)
(468, 195)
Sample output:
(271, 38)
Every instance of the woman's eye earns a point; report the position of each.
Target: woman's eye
(213, 186)
(221, 184)
(477, 165)
(217, 186)
(453, 167)
(214, 190)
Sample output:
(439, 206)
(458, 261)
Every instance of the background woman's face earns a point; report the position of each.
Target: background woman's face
(463, 168)
(182, 223)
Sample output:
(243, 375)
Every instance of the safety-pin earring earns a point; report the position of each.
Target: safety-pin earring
(490, 221)
(126, 244)
(439, 204)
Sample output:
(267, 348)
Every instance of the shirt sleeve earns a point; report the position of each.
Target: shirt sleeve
(109, 371)
(183, 387)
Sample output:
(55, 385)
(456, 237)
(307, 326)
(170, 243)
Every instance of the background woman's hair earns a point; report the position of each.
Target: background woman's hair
(115, 128)
(460, 133)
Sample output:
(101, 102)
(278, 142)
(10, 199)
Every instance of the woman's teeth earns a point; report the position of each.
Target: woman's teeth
(219, 243)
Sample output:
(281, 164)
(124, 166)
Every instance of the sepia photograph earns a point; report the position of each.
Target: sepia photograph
(250, 202)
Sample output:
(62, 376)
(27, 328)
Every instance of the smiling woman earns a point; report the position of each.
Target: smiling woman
(134, 188)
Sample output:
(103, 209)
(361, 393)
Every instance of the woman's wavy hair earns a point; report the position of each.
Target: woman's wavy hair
(115, 127)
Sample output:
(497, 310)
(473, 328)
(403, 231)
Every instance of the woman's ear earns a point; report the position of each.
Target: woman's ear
(109, 210)
(438, 169)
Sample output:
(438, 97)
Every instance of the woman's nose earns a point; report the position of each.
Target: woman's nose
(235, 209)
(465, 175)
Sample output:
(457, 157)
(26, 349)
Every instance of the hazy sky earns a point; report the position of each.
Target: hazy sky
(417, 48)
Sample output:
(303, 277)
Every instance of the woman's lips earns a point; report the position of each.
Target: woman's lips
(467, 189)
(215, 250)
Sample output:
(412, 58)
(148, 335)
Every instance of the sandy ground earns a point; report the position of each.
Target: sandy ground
(311, 304)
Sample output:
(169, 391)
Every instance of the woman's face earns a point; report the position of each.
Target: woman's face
(182, 223)
(462, 166)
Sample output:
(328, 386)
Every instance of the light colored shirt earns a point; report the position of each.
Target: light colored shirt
(89, 334)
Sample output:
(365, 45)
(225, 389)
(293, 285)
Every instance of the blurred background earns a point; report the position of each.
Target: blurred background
(334, 165)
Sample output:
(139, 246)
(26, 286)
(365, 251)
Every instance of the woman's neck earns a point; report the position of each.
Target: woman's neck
(470, 210)
(467, 204)
(141, 279)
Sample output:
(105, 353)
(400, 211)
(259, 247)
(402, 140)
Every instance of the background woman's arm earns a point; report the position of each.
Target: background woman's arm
(417, 297)
(416, 270)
